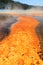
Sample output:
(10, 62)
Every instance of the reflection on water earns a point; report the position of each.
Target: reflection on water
(17, 11)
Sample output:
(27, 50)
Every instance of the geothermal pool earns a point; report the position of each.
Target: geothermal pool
(7, 20)
(23, 37)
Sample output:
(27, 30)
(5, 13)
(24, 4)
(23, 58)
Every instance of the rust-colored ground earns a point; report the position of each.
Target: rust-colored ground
(21, 47)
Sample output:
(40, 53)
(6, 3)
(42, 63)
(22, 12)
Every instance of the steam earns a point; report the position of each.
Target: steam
(13, 7)
(35, 10)
(17, 8)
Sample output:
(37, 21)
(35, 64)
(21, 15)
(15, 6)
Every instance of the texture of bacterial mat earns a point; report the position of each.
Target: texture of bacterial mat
(19, 41)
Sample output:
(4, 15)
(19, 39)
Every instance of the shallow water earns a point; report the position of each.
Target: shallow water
(5, 24)
(7, 20)
(39, 31)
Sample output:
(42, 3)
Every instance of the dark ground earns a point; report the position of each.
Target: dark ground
(5, 23)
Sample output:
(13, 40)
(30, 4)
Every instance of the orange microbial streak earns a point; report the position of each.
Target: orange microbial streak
(22, 44)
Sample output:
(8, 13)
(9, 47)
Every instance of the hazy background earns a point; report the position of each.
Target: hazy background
(32, 2)
(22, 6)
